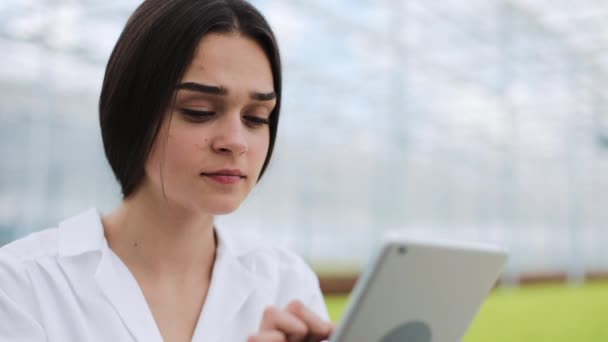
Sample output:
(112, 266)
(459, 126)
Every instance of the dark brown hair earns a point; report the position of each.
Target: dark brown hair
(154, 50)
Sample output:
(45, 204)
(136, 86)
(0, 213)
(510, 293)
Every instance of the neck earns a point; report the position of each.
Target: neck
(160, 240)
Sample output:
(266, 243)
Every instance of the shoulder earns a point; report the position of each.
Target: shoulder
(284, 274)
(34, 246)
(17, 261)
(289, 266)
(17, 257)
(23, 256)
(18, 305)
(267, 259)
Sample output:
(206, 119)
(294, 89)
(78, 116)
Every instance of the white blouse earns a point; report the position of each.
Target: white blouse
(65, 284)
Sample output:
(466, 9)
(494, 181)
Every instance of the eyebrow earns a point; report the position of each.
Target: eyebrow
(219, 90)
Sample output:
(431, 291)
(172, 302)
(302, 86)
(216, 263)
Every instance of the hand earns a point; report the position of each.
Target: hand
(295, 323)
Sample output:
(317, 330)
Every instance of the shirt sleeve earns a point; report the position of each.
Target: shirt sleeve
(317, 301)
(17, 322)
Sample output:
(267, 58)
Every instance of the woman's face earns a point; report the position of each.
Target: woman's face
(213, 142)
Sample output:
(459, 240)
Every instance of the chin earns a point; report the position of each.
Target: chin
(221, 207)
(223, 211)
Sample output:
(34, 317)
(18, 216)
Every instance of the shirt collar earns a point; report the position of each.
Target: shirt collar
(84, 233)
(81, 234)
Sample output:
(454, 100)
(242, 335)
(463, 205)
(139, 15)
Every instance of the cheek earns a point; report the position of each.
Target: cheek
(174, 153)
(182, 150)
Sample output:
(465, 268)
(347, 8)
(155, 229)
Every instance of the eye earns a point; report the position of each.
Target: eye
(197, 115)
(255, 121)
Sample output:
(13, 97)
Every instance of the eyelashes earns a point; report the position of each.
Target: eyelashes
(256, 120)
(197, 115)
(204, 116)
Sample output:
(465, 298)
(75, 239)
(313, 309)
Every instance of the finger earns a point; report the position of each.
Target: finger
(331, 332)
(318, 328)
(268, 336)
(285, 322)
(332, 327)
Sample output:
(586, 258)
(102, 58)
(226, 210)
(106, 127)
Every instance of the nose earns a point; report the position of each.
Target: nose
(230, 136)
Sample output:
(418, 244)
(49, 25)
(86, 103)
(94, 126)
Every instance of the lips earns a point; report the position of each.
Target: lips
(225, 176)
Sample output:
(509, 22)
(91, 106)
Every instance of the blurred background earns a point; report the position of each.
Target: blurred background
(478, 120)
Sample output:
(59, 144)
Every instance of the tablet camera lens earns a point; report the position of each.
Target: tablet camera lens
(402, 249)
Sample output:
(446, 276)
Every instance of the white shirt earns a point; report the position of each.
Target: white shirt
(65, 284)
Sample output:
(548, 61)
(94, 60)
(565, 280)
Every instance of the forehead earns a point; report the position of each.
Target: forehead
(230, 60)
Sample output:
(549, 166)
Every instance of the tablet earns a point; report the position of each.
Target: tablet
(420, 291)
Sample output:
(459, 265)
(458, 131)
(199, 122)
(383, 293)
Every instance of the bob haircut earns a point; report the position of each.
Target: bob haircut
(149, 60)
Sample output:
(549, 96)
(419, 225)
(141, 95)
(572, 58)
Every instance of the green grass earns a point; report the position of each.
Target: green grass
(536, 313)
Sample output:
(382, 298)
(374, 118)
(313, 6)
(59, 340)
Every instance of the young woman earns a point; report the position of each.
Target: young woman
(189, 111)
